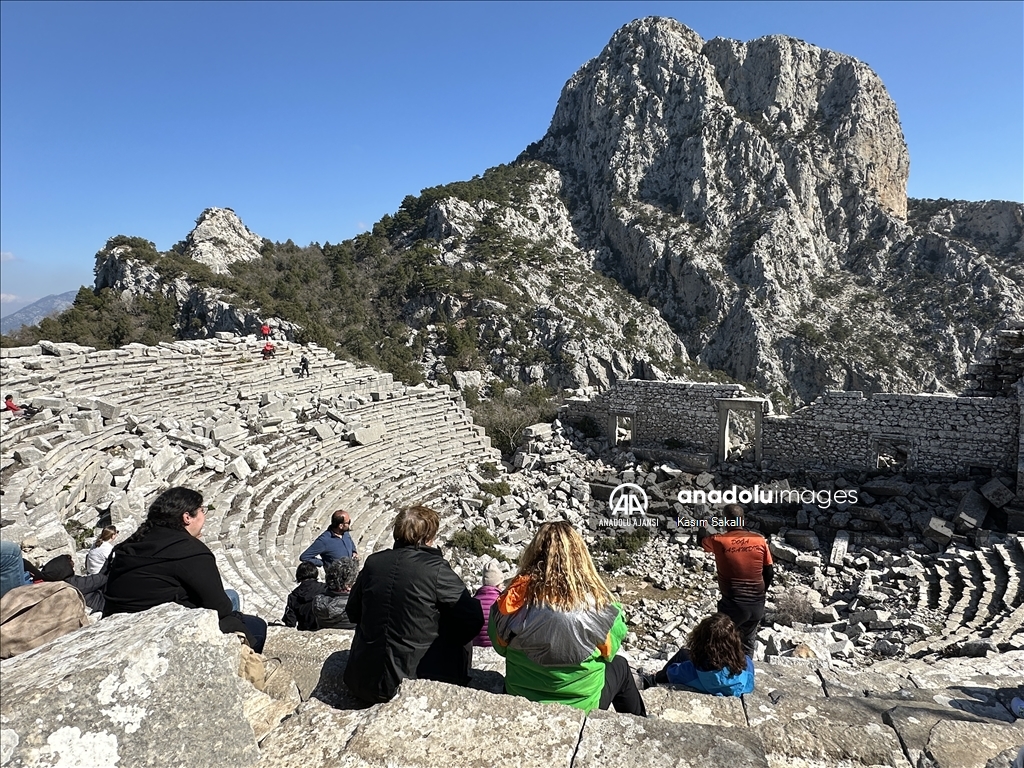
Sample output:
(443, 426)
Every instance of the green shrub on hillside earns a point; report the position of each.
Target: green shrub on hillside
(479, 541)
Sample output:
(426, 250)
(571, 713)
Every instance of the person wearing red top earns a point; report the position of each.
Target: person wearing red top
(265, 330)
(745, 572)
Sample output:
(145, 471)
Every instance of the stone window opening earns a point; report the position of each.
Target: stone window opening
(892, 454)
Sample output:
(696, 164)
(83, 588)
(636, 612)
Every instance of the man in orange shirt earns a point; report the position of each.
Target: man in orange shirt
(745, 572)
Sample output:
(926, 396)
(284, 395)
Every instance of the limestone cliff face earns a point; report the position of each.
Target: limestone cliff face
(756, 193)
(563, 325)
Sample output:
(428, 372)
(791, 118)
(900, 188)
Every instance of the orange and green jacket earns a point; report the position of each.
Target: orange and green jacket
(553, 655)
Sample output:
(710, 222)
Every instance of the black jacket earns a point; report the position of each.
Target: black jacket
(402, 601)
(299, 610)
(167, 566)
(330, 610)
(62, 568)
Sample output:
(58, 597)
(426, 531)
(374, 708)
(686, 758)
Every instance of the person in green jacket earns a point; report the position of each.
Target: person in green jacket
(559, 631)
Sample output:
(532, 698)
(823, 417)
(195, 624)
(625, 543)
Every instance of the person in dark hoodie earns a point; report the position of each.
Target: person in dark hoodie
(165, 562)
(62, 568)
(299, 610)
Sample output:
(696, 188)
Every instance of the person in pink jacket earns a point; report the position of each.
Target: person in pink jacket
(486, 595)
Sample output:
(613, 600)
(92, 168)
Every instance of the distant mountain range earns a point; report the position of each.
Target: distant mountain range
(34, 313)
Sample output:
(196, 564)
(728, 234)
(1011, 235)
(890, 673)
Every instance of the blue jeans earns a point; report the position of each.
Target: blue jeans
(12, 571)
(236, 601)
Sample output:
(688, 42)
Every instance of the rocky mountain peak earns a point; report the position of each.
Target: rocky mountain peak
(220, 238)
(722, 130)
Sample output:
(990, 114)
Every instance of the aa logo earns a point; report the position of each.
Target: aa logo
(627, 500)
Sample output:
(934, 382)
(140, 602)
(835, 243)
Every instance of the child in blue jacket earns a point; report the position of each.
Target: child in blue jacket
(713, 662)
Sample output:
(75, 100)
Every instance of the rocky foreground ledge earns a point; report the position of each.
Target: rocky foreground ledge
(162, 688)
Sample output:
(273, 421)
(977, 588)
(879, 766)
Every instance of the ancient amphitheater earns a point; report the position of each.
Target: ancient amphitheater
(274, 454)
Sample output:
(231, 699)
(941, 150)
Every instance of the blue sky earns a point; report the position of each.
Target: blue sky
(313, 120)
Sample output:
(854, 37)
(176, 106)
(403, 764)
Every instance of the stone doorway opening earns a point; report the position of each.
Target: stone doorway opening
(739, 427)
(623, 429)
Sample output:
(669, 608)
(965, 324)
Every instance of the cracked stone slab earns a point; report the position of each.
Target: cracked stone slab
(317, 735)
(625, 741)
(913, 724)
(849, 710)
(433, 725)
(959, 744)
(865, 683)
(820, 745)
(118, 692)
(679, 705)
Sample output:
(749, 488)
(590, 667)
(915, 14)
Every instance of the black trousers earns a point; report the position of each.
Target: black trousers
(620, 689)
(747, 615)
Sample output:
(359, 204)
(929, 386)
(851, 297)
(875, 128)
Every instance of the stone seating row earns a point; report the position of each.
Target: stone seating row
(259, 524)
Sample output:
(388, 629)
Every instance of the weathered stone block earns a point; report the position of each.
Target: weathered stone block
(224, 431)
(840, 546)
(239, 467)
(424, 715)
(124, 692)
(939, 531)
(805, 540)
(28, 455)
(321, 431)
(997, 493)
(622, 740)
(369, 434)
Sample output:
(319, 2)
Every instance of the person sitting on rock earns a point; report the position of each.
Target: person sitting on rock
(712, 661)
(299, 610)
(101, 549)
(414, 617)
(745, 572)
(62, 568)
(18, 410)
(268, 351)
(165, 562)
(487, 595)
(560, 632)
(330, 606)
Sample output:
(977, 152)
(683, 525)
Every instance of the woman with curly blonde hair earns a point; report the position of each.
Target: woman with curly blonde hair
(559, 631)
(713, 661)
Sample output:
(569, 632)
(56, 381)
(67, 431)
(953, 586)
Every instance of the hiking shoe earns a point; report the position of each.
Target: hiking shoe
(646, 680)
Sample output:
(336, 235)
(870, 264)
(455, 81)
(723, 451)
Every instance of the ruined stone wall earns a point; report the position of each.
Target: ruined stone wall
(998, 374)
(941, 434)
(666, 414)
